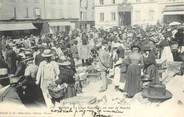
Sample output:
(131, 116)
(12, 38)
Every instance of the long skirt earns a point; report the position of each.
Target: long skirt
(84, 52)
(122, 81)
(104, 80)
(133, 81)
(11, 66)
(117, 75)
(167, 54)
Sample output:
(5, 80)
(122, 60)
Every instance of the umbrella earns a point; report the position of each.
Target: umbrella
(174, 23)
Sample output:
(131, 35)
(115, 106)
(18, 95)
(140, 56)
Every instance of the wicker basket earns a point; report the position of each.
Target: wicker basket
(57, 92)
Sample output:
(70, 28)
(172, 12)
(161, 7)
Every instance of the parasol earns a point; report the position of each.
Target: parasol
(174, 23)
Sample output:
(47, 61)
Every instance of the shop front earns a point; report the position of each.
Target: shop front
(173, 13)
(61, 26)
(16, 29)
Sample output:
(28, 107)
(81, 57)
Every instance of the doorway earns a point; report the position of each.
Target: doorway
(125, 18)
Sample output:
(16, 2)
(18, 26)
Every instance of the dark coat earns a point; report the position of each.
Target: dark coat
(179, 36)
(3, 64)
(11, 61)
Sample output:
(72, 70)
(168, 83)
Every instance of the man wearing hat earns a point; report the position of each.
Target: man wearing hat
(48, 72)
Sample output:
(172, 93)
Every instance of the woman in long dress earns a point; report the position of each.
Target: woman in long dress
(83, 49)
(133, 81)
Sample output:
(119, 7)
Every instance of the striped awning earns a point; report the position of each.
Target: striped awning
(174, 8)
(18, 26)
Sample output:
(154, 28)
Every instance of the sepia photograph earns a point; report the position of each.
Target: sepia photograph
(91, 58)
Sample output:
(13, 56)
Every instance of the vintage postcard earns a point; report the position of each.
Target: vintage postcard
(91, 58)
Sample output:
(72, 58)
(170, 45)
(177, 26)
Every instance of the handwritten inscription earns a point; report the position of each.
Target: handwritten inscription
(95, 111)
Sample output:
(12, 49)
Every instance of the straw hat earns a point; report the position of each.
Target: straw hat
(47, 53)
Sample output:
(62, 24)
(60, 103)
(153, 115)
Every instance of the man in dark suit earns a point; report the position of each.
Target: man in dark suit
(179, 36)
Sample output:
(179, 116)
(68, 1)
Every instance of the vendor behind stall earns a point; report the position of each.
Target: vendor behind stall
(150, 69)
(67, 72)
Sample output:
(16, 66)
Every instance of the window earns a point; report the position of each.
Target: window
(138, 0)
(27, 12)
(81, 15)
(113, 16)
(101, 2)
(36, 1)
(137, 15)
(52, 13)
(37, 12)
(13, 0)
(101, 17)
(52, 1)
(113, 1)
(15, 12)
(151, 15)
(174, 0)
(60, 1)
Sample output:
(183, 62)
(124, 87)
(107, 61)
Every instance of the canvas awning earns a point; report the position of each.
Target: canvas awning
(11, 27)
(60, 23)
(174, 9)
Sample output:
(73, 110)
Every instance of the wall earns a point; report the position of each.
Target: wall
(107, 16)
(107, 9)
(49, 9)
(25, 9)
(147, 13)
(57, 9)
(87, 10)
(144, 11)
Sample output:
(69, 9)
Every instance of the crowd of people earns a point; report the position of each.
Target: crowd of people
(126, 54)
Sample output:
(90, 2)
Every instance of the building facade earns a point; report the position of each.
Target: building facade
(16, 15)
(60, 14)
(109, 13)
(20, 9)
(87, 14)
